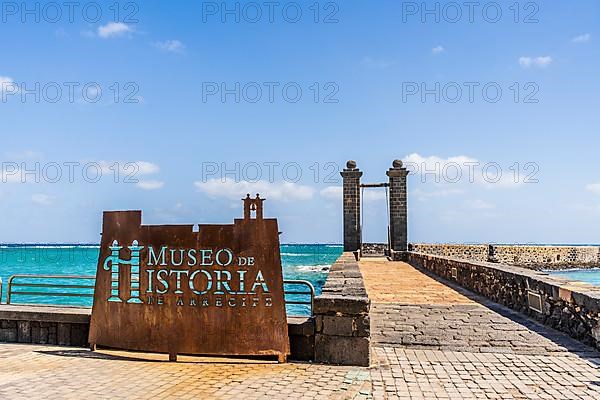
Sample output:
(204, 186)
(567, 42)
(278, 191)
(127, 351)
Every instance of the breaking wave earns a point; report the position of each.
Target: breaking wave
(313, 268)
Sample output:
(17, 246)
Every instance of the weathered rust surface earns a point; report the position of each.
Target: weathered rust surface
(233, 317)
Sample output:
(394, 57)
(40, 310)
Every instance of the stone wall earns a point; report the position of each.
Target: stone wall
(342, 316)
(556, 302)
(351, 199)
(373, 249)
(546, 255)
(338, 333)
(70, 326)
(44, 325)
(475, 252)
(398, 207)
(537, 257)
(302, 338)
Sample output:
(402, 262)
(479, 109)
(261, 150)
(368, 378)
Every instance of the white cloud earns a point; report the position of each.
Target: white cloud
(128, 169)
(8, 85)
(6, 80)
(178, 213)
(172, 46)
(114, 29)
(582, 38)
(593, 187)
(493, 178)
(586, 208)
(232, 190)
(437, 50)
(21, 155)
(14, 172)
(540, 62)
(432, 160)
(422, 195)
(92, 92)
(147, 168)
(480, 205)
(373, 195)
(150, 185)
(437, 168)
(9, 173)
(88, 34)
(459, 169)
(376, 63)
(369, 195)
(332, 192)
(61, 33)
(43, 199)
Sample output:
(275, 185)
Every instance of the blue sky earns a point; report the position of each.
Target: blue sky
(364, 66)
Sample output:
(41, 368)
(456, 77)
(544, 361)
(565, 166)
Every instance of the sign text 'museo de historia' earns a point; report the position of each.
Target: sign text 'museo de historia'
(212, 278)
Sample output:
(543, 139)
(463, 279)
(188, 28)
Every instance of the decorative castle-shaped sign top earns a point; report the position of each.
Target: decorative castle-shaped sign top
(253, 206)
(217, 291)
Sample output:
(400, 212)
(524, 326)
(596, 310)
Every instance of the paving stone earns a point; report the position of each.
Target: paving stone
(430, 341)
(438, 341)
(42, 372)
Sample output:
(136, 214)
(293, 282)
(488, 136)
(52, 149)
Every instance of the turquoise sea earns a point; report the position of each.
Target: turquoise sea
(583, 275)
(310, 262)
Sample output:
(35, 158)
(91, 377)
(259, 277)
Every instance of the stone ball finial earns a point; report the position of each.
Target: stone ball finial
(351, 164)
(397, 164)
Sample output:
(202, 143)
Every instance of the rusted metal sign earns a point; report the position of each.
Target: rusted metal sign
(169, 289)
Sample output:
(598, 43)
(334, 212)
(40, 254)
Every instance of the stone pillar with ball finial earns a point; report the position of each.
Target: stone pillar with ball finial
(351, 189)
(398, 235)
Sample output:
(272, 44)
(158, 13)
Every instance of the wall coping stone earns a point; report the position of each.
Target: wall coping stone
(581, 288)
(68, 315)
(591, 246)
(535, 256)
(342, 316)
(344, 290)
(302, 326)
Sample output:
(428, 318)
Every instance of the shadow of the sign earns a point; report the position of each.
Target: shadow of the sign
(117, 355)
(89, 354)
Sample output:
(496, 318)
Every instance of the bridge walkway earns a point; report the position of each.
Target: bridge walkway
(433, 340)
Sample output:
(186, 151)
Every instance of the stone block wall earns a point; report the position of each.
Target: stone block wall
(398, 207)
(572, 309)
(368, 249)
(70, 327)
(351, 205)
(536, 257)
(342, 316)
(546, 255)
(302, 338)
(338, 333)
(474, 252)
(43, 325)
(62, 334)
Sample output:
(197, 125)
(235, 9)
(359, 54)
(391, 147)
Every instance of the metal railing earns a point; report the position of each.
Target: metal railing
(310, 292)
(29, 288)
(52, 286)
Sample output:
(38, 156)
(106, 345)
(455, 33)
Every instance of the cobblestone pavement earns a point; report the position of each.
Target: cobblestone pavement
(430, 341)
(434, 341)
(43, 372)
(404, 373)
